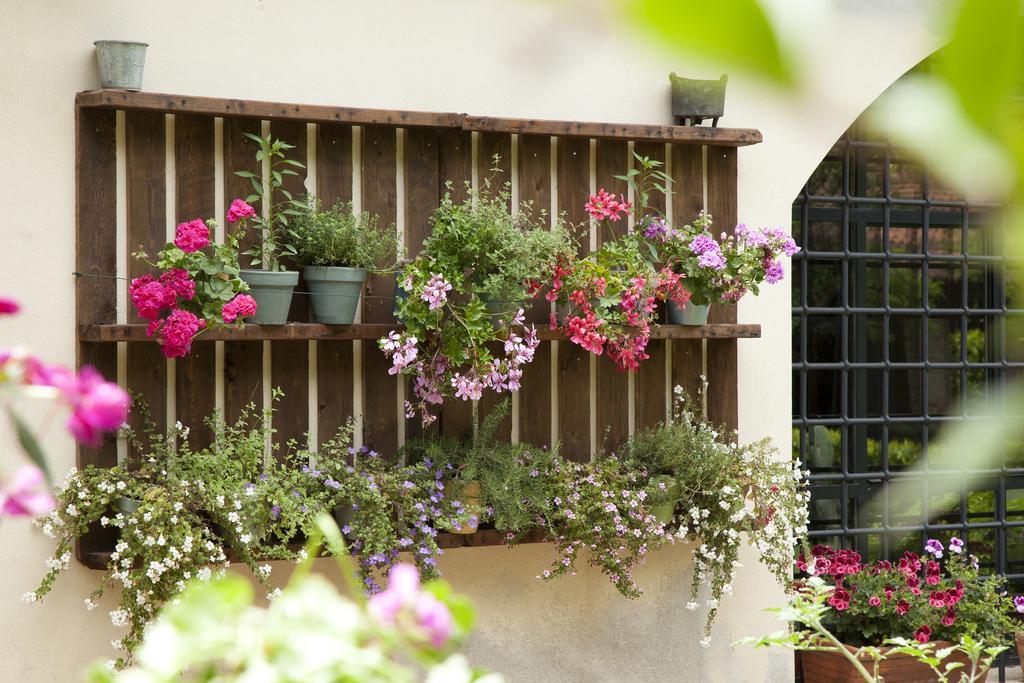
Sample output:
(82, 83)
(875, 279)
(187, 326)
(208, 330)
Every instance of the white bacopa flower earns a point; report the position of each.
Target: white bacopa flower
(692, 605)
(705, 642)
(120, 486)
(220, 501)
(89, 604)
(29, 597)
(119, 617)
(727, 589)
(147, 516)
(71, 511)
(274, 594)
(711, 603)
(232, 517)
(245, 538)
(116, 644)
(204, 574)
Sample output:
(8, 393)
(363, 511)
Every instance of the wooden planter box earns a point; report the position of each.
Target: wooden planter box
(833, 667)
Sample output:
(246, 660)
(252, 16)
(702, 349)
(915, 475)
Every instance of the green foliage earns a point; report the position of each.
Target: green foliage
(339, 237)
(281, 208)
(215, 632)
(736, 33)
(806, 613)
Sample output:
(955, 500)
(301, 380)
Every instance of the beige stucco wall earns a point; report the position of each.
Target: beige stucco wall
(477, 56)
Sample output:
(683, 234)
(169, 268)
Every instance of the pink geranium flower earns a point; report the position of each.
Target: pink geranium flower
(25, 494)
(149, 297)
(192, 236)
(242, 306)
(177, 332)
(239, 210)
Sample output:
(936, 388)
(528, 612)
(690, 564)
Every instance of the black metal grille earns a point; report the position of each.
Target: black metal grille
(904, 307)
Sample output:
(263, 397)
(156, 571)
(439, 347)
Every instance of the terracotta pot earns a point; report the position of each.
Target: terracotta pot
(470, 496)
(1019, 636)
(833, 667)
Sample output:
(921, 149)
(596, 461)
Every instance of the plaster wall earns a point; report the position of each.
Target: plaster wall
(545, 60)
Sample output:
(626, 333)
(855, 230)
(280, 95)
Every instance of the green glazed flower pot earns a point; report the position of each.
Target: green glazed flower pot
(121, 63)
(691, 314)
(334, 293)
(664, 512)
(344, 515)
(273, 294)
(126, 506)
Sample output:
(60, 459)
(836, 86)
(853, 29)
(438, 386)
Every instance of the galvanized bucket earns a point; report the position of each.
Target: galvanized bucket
(121, 63)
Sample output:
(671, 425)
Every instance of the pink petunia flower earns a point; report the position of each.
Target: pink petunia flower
(25, 494)
(239, 210)
(192, 236)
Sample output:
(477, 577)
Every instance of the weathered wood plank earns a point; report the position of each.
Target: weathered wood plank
(194, 198)
(145, 154)
(379, 196)
(335, 391)
(723, 399)
(573, 362)
(735, 137)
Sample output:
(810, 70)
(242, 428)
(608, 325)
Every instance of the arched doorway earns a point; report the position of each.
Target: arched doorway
(904, 307)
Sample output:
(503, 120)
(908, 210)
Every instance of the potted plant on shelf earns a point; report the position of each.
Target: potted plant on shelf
(607, 300)
(121, 63)
(198, 288)
(466, 291)
(723, 269)
(337, 248)
(926, 599)
(273, 284)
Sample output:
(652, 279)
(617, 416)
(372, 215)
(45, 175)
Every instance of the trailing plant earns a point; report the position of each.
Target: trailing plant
(339, 237)
(465, 328)
(726, 268)
(924, 598)
(280, 207)
(164, 522)
(215, 633)
(608, 299)
(807, 614)
(722, 491)
(198, 287)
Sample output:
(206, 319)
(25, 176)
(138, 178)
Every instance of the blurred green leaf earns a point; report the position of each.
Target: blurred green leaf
(28, 442)
(735, 33)
(983, 59)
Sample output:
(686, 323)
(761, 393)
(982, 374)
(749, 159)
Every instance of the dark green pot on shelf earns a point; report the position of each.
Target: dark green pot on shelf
(273, 294)
(691, 314)
(334, 293)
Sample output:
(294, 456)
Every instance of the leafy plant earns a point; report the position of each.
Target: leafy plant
(338, 237)
(466, 292)
(806, 614)
(280, 208)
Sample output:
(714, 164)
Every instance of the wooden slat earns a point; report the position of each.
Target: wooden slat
(455, 158)
(229, 108)
(243, 362)
(494, 164)
(194, 198)
(146, 196)
(273, 111)
(723, 399)
(736, 137)
(136, 333)
(650, 379)
(612, 384)
(687, 202)
(573, 362)
(334, 358)
(96, 255)
(380, 390)
(289, 360)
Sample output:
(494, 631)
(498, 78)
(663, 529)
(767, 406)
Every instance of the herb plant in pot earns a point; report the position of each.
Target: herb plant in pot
(273, 285)
(337, 247)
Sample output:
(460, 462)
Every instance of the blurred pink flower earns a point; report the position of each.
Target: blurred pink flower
(404, 596)
(8, 306)
(25, 494)
(97, 406)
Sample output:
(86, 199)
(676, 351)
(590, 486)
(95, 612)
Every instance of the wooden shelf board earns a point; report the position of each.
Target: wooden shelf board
(316, 331)
(445, 541)
(276, 111)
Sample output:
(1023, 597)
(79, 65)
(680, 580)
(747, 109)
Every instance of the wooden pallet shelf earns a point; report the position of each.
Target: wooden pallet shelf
(372, 331)
(483, 538)
(273, 111)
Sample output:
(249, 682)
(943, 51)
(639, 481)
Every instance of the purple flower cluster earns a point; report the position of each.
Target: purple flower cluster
(709, 252)
(435, 292)
(659, 230)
